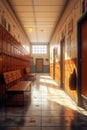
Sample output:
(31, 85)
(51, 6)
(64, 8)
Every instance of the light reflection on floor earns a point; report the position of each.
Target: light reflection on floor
(47, 108)
(50, 82)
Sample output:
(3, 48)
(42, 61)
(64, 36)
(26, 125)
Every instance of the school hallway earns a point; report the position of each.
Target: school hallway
(47, 107)
(43, 64)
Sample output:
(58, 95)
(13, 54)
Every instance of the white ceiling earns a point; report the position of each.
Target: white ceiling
(41, 15)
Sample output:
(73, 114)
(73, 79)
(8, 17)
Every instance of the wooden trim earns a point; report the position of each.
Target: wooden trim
(62, 47)
(81, 20)
(54, 63)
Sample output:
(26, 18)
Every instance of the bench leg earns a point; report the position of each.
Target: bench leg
(22, 96)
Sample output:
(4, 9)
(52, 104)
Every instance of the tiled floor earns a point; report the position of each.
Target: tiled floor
(47, 108)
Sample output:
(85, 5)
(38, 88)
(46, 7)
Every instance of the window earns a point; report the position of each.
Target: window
(8, 27)
(39, 49)
(4, 22)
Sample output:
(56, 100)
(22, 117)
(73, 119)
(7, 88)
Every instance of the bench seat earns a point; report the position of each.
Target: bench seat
(20, 87)
(29, 75)
(14, 84)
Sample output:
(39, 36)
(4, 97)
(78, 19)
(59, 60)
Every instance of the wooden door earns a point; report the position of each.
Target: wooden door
(39, 65)
(62, 64)
(0, 49)
(54, 63)
(84, 59)
(0, 39)
(82, 62)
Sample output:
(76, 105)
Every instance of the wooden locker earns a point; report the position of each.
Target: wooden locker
(4, 62)
(4, 40)
(8, 44)
(0, 38)
(1, 59)
(8, 63)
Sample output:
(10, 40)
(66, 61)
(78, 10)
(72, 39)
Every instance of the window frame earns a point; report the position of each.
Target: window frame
(39, 49)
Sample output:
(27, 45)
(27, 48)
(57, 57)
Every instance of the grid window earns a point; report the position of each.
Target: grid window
(39, 49)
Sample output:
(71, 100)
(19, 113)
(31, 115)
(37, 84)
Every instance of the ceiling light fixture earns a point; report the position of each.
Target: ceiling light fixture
(41, 30)
(30, 29)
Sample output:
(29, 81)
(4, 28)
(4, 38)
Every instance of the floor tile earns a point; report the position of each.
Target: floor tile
(47, 108)
(12, 121)
(56, 128)
(33, 113)
(20, 128)
(56, 121)
(54, 113)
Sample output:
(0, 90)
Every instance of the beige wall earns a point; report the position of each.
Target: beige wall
(73, 11)
(16, 29)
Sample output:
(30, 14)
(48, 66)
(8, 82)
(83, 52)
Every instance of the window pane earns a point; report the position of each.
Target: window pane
(39, 49)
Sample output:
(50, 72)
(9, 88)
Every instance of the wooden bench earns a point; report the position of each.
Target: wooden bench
(32, 76)
(14, 84)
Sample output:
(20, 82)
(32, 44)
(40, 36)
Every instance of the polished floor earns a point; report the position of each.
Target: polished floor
(46, 108)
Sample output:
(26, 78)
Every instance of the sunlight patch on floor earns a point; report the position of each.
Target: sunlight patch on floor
(63, 99)
(60, 96)
(48, 81)
(43, 89)
(46, 77)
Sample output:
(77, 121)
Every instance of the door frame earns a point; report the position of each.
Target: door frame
(42, 64)
(61, 62)
(79, 61)
(54, 63)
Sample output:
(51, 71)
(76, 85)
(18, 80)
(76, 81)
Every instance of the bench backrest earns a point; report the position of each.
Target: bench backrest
(12, 76)
(18, 74)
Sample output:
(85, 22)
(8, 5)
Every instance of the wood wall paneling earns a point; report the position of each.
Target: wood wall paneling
(12, 56)
(57, 72)
(4, 42)
(0, 49)
(1, 58)
(0, 39)
(51, 69)
(70, 65)
(83, 59)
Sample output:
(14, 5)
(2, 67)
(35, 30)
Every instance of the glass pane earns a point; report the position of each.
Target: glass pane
(39, 49)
